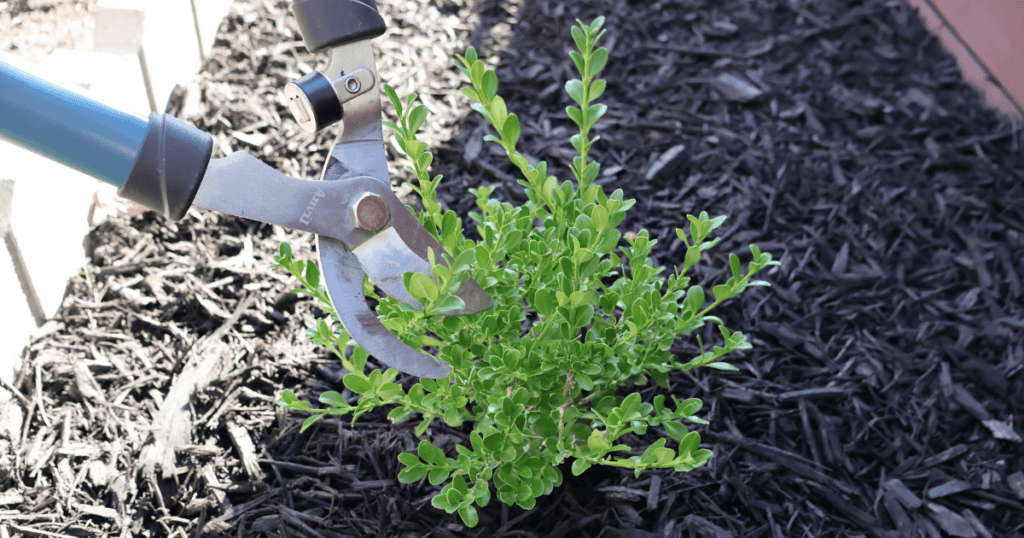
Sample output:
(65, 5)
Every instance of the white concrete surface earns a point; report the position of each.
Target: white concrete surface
(119, 26)
(52, 202)
(114, 79)
(170, 43)
(210, 14)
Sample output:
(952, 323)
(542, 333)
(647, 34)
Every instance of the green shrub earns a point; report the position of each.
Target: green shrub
(537, 377)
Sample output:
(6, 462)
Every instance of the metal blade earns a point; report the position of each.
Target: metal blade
(386, 257)
(343, 276)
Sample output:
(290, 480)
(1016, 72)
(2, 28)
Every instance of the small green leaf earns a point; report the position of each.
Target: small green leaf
(575, 90)
(357, 384)
(577, 60)
(580, 465)
(333, 398)
(459, 484)
(510, 131)
(393, 97)
(490, 84)
(448, 303)
(579, 37)
(493, 442)
(285, 252)
(440, 501)
(438, 476)
(424, 161)
(310, 421)
(499, 113)
(545, 302)
(734, 264)
(575, 115)
(464, 260)
(631, 404)
(408, 459)
(412, 474)
(545, 427)
(694, 299)
(476, 73)
(312, 276)
(692, 257)
(431, 454)
(399, 414)
(469, 515)
(422, 287)
(723, 366)
(689, 443)
(598, 443)
(675, 429)
(598, 61)
(417, 117)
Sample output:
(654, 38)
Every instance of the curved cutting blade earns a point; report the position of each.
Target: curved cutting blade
(386, 257)
(343, 277)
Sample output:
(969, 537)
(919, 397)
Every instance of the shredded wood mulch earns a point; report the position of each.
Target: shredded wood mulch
(882, 398)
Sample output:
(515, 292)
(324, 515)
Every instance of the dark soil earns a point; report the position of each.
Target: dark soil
(883, 391)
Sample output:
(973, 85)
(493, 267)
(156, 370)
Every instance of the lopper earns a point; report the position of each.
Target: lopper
(362, 229)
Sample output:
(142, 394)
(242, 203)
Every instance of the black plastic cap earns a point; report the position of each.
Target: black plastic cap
(317, 106)
(329, 23)
(175, 151)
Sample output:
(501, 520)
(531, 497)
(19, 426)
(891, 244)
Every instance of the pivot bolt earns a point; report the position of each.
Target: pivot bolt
(353, 85)
(370, 212)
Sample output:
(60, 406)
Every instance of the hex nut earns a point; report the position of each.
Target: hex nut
(371, 212)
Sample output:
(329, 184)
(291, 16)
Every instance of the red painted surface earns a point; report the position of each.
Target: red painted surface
(994, 29)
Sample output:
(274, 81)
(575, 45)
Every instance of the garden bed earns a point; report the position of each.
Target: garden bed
(887, 372)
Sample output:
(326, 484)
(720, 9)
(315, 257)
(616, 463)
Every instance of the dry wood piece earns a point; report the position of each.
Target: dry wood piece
(246, 451)
(979, 527)
(174, 418)
(100, 511)
(1016, 483)
(1002, 430)
(948, 488)
(902, 493)
(946, 455)
(705, 528)
(896, 512)
(667, 163)
(950, 522)
(11, 422)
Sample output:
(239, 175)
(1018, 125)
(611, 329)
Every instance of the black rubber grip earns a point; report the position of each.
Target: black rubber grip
(169, 167)
(329, 23)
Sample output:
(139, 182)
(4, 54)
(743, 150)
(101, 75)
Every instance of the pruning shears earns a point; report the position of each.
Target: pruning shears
(362, 229)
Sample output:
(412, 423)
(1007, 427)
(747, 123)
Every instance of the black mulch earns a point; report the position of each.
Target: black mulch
(884, 393)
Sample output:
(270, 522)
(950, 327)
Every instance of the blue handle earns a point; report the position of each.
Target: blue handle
(67, 127)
